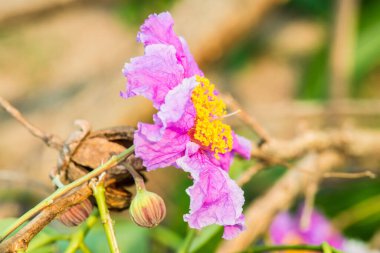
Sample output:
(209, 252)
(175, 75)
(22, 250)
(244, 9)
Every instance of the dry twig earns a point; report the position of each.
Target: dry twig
(350, 175)
(246, 118)
(50, 140)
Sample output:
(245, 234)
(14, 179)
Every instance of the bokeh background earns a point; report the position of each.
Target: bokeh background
(292, 64)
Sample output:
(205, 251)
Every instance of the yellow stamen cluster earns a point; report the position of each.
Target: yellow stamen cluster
(209, 130)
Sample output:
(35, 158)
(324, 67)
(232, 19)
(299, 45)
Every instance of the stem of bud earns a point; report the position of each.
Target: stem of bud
(139, 181)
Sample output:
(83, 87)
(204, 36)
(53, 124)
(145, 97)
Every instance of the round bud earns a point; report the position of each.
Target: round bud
(75, 215)
(147, 209)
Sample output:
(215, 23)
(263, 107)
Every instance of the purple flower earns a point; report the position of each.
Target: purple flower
(188, 131)
(286, 229)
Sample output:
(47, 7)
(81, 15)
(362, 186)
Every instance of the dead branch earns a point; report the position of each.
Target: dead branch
(352, 142)
(26, 234)
(350, 175)
(318, 153)
(246, 118)
(50, 140)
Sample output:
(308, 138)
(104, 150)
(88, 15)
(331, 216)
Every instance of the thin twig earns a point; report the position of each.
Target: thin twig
(246, 118)
(307, 211)
(50, 140)
(351, 175)
(99, 194)
(61, 191)
(139, 180)
(246, 176)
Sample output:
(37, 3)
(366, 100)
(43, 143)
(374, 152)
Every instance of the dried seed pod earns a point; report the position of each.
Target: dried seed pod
(96, 148)
(147, 209)
(75, 215)
(117, 198)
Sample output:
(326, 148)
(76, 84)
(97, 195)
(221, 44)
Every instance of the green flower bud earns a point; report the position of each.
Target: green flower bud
(147, 208)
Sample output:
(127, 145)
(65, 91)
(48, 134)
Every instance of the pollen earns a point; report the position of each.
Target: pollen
(209, 130)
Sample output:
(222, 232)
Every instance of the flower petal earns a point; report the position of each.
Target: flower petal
(242, 146)
(231, 231)
(153, 74)
(214, 198)
(158, 149)
(158, 29)
(178, 110)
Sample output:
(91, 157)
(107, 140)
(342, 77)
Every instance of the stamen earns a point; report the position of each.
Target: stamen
(232, 114)
(209, 130)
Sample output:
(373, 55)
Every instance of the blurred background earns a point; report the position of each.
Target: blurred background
(292, 64)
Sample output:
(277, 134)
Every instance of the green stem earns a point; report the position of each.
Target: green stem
(114, 160)
(99, 194)
(77, 238)
(84, 248)
(185, 248)
(139, 181)
(320, 248)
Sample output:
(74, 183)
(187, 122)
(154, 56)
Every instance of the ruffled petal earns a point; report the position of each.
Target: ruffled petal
(188, 62)
(178, 110)
(153, 74)
(158, 29)
(224, 161)
(157, 149)
(242, 146)
(214, 197)
(231, 231)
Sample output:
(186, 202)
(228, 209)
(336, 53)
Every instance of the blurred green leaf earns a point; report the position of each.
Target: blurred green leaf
(130, 237)
(136, 11)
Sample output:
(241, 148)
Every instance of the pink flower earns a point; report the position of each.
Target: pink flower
(166, 62)
(286, 229)
(188, 132)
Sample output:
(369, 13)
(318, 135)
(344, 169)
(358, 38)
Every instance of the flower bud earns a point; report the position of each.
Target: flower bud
(147, 209)
(75, 215)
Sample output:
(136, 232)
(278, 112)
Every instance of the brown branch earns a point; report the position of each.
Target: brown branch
(350, 175)
(246, 118)
(354, 143)
(246, 176)
(307, 211)
(342, 48)
(318, 153)
(50, 140)
(26, 234)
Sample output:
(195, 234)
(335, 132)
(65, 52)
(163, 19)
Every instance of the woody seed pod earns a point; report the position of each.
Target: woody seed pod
(75, 215)
(147, 209)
